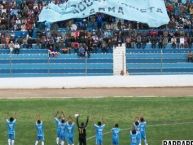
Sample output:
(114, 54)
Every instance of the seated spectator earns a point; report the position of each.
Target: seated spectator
(52, 52)
(65, 50)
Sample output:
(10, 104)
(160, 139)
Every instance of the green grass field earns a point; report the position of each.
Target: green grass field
(157, 111)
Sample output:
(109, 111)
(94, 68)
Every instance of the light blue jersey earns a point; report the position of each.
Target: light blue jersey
(57, 122)
(99, 134)
(142, 126)
(40, 131)
(137, 128)
(62, 130)
(70, 133)
(133, 139)
(11, 129)
(115, 136)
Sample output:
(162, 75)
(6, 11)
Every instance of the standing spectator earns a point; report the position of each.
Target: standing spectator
(178, 42)
(173, 41)
(190, 57)
(138, 41)
(144, 42)
(190, 39)
(153, 42)
(160, 42)
(165, 41)
(128, 42)
(16, 48)
(182, 41)
(81, 51)
(11, 47)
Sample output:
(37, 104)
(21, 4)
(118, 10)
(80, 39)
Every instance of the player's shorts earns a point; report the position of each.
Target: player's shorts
(70, 140)
(62, 137)
(133, 144)
(11, 136)
(40, 138)
(143, 135)
(99, 141)
(58, 133)
(115, 141)
(139, 138)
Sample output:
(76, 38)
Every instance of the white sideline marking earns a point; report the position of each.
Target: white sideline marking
(152, 125)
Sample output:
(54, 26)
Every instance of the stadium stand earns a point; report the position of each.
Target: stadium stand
(149, 51)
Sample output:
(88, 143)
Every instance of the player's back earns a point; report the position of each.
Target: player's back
(115, 132)
(133, 139)
(99, 130)
(40, 129)
(70, 128)
(62, 128)
(142, 126)
(11, 126)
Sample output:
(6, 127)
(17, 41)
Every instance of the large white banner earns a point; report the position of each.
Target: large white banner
(152, 12)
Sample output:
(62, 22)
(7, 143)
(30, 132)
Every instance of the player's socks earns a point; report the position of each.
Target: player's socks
(145, 142)
(9, 142)
(57, 140)
(36, 143)
(62, 143)
(12, 142)
(42, 142)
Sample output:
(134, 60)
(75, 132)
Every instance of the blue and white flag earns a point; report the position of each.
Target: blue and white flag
(152, 12)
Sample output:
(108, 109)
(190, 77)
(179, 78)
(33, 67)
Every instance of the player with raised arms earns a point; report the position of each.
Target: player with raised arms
(70, 131)
(82, 130)
(142, 126)
(99, 127)
(40, 131)
(57, 119)
(62, 130)
(11, 123)
(137, 128)
(115, 135)
(133, 137)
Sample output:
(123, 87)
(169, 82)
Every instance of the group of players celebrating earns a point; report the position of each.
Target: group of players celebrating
(65, 128)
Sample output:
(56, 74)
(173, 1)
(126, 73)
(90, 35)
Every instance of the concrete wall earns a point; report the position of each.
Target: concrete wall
(97, 82)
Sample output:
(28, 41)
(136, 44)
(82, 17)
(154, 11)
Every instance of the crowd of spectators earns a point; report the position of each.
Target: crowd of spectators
(99, 32)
